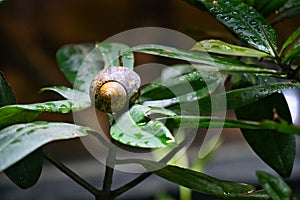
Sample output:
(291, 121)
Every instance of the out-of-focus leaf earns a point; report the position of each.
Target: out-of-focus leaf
(208, 62)
(6, 94)
(203, 183)
(135, 129)
(274, 186)
(291, 39)
(220, 47)
(70, 58)
(26, 172)
(17, 113)
(17, 141)
(275, 149)
(293, 11)
(246, 22)
(266, 7)
(291, 54)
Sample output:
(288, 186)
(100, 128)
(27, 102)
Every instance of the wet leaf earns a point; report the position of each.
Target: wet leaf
(235, 98)
(220, 47)
(134, 128)
(80, 100)
(203, 183)
(206, 62)
(274, 186)
(18, 113)
(17, 141)
(185, 121)
(246, 22)
(291, 54)
(266, 7)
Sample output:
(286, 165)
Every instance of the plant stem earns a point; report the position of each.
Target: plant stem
(131, 184)
(63, 168)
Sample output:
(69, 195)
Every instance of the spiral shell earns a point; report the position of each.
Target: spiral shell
(113, 88)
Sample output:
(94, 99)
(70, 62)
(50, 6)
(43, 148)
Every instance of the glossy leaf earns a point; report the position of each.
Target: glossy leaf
(212, 122)
(275, 149)
(80, 100)
(244, 21)
(17, 141)
(70, 58)
(220, 47)
(208, 61)
(178, 86)
(6, 94)
(116, 54)
(203, 183)
(291, 39)
(237, 98)
(274, 186)
(26, 172)
(17, 113)
(135, 129)
(186, 98)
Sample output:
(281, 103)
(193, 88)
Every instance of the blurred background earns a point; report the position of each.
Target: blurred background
(32, 31)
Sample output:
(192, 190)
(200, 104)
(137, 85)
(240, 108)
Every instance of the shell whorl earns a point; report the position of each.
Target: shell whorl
(113, 88)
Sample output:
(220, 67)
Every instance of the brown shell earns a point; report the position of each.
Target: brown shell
(113, 100)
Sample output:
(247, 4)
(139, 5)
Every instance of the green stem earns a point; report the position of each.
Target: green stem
(63, 168)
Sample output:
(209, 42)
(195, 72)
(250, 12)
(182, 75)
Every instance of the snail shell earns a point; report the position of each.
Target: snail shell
(114, 88)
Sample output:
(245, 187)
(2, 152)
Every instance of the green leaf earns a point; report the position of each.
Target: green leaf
(81, 62)
(186, 98)
(275, 149)
(285, 14)
(235, 98)
(274, 186)
(6, 94)
(17, 141)
(70, 57)
(26, 172)
(203, 183)
(180, 85)
(185, 121)
(208, 61)
(80, 100)
(134, 128)
(17, 113)
(291, 54)
(246, 22)
(291, 39)
(266, 7)
(220, 47)
(113, 53)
